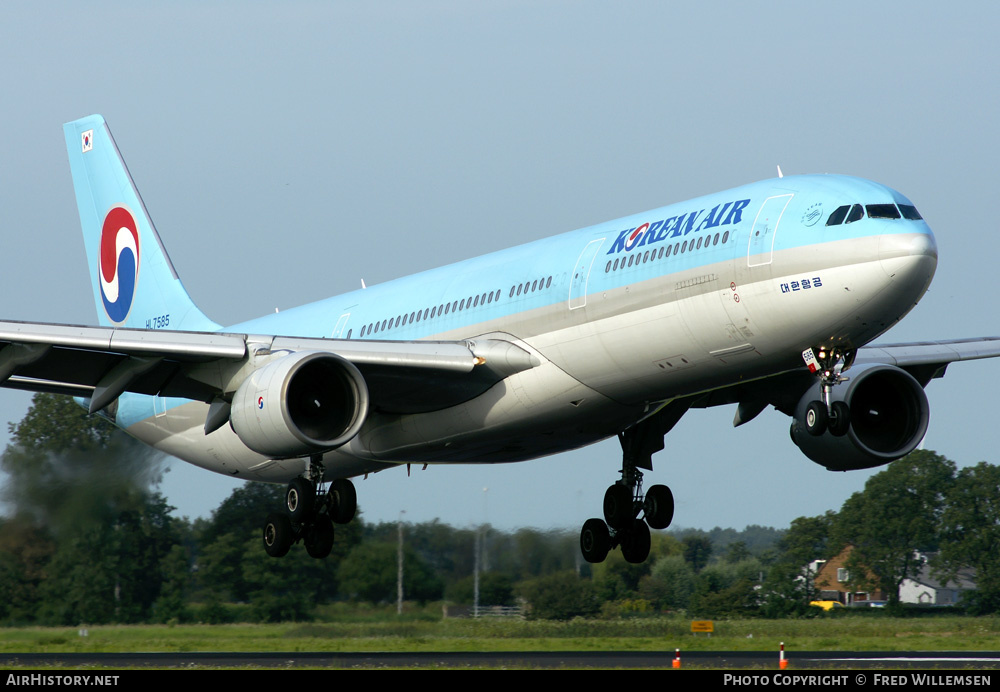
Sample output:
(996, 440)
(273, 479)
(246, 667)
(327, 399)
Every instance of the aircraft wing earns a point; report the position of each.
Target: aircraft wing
(926, 360)
(101, 363)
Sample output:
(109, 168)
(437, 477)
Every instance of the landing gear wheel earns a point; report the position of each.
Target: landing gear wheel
(816, 418)
(636, 542)
(659, 507)
(344, 501)
(595, 540)
(278, 534)
(300, 496)
(618, 511)
(840, 421)
(318, 538)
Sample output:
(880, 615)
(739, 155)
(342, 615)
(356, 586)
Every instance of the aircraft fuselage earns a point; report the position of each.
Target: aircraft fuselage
(623, 316)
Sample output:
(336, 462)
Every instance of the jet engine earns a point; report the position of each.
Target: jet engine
(888, 419)
(303, 403)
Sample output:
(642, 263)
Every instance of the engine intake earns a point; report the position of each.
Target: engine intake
(303, 403)
(889, 418)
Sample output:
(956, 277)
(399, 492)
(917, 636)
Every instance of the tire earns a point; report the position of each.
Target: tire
(319, 537)
(840, 421)
(300, 496)
(618, 511)
(278, 534)
(636, 542)
(595, 540)
(344, 503)
(658, 507)
(816, 418)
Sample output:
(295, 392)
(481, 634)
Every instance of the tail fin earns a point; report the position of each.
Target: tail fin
(134, 283)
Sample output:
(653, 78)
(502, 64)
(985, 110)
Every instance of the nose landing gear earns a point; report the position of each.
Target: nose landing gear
(828, 415)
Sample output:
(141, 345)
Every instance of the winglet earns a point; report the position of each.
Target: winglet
(133, 280)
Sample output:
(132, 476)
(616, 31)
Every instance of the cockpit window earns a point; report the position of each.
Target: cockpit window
(857, 213)
(882, 211)
(910, 212)
(837, 217)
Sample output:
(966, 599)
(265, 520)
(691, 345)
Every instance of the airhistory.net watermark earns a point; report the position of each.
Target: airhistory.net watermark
(45, 679)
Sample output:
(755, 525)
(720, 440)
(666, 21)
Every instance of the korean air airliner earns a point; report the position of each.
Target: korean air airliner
(763, 295)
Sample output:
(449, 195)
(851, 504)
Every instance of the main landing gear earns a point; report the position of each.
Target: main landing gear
(623, 502)
(312, 512)
(827, 415)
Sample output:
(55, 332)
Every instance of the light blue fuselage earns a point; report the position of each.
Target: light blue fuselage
(623, 316)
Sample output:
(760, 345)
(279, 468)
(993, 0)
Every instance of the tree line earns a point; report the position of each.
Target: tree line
(86, 539)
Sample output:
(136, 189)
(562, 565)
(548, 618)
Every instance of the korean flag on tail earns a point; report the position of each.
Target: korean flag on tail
(87, 140)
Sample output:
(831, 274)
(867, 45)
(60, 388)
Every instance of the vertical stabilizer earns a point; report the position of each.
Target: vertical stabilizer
(134, 283)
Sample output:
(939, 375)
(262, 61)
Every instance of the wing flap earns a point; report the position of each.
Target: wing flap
(180, 345)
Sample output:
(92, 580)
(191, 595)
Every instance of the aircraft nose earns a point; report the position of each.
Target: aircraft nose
(908, 256)
(909, 259)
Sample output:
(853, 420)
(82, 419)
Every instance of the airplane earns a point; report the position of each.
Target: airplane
(764, 295)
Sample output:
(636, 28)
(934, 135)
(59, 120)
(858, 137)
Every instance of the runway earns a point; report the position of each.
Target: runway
(718, 660)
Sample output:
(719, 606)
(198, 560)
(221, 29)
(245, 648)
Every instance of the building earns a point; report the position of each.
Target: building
(833, 582)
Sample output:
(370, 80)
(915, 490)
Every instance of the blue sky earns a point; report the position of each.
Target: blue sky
(288, 151)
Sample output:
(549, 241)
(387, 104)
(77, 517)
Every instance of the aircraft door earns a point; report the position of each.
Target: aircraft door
(338, 329)
(581, 274)
(760, 248)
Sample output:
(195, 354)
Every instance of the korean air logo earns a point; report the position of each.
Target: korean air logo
(118, 264)
(635, 236)
(812, 214)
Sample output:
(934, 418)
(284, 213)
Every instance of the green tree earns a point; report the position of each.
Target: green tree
(495, 589)
(670, 583)
(559, 596)
(56, 423)
(736, 552)
(739, 599)
(971, 533)
(281, 590)
(171, 604)
(66, 467)
(787, 592)
(80, 481)
(727, 588)
(528, 553)
(369, 573)
(615, 579)
(110, 570)
(697, 550)
(243, 512)
(897, 514)
(220, 569)
(807, 539)
(25, 552)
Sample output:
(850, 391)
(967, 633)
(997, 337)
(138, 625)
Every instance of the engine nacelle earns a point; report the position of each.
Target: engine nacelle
(889, 418)
(303, 403)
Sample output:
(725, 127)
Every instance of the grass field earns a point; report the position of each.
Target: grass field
(421, 632)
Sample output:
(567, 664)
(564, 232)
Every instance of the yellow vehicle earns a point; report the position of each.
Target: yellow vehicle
(827, 605)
